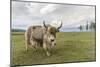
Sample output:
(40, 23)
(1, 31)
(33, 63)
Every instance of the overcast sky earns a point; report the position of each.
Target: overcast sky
(25, 14)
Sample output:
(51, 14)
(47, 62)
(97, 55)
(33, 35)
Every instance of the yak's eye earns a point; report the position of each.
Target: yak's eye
(51, 32)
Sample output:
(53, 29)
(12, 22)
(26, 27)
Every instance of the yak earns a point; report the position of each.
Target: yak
(44, 36)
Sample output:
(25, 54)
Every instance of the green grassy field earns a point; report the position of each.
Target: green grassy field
(71, 47)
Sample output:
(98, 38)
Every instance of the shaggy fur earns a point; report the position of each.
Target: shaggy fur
(43, 36)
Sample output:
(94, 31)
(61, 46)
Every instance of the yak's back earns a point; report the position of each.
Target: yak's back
(37, 32)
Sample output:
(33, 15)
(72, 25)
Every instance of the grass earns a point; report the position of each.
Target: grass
(71, 47)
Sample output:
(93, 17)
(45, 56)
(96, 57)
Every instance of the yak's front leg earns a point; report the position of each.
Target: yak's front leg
(45, 46)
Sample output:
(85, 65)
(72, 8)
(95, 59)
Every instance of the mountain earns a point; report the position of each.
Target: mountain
(18, 30)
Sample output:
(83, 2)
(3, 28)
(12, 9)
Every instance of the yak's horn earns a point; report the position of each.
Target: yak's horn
(44, 23)
(60, 25)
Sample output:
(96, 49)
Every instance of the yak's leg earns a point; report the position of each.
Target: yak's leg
(46, 49)
(34, 45)
(33, 42)
(26, 41)
(27, 45)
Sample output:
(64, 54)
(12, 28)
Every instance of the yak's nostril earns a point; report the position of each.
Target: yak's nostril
(52, 40)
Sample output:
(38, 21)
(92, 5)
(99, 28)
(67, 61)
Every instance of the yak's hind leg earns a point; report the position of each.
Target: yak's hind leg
(34, 43)
(30, 43)
(26, 45)
(27, 41)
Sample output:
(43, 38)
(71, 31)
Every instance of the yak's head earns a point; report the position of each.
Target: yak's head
(51, 33)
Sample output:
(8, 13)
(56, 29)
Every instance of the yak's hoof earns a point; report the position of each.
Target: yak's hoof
(26, 50)
(48, 54)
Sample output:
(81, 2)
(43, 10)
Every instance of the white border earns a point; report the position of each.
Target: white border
(5, 33)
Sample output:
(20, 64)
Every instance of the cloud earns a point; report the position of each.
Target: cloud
(56, 23)
(19, 8)
(33, 8)
(31, 13)
(49, 8)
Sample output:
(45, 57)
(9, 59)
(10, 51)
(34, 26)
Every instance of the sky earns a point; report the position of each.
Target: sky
(25, 14)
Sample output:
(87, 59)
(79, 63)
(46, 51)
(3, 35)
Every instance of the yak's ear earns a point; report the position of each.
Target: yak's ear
(44, 24)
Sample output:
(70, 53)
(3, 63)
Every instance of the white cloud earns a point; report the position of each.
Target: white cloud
(33, 7)
(26, 13)
(49, 8)
(56, 23)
